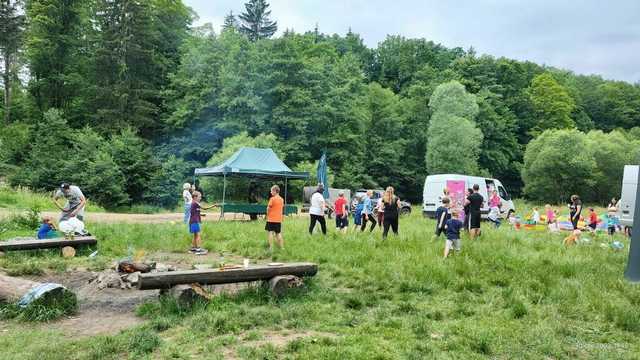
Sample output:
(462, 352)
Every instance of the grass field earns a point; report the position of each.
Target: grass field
(507, 295)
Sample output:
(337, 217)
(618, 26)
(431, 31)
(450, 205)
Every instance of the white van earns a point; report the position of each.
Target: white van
(457, 186)
(627, 203)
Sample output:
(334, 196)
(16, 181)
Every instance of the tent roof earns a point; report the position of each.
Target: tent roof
(253, 162)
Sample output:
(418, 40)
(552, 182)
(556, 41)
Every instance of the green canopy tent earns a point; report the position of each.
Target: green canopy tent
(252, 163)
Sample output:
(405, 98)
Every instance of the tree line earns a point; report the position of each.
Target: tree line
(127, 97)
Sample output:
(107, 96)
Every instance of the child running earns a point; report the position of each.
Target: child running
(452, 227)
(357, 215)
(275, 215)
(341, 212)
(442, 215)
(194, 223)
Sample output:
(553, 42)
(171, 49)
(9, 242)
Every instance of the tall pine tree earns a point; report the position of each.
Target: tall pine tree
(230, 22)
(54, 53)
(11, 31)
(255, 22)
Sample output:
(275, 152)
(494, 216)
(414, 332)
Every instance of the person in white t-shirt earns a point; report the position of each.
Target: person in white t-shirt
(316, 211)
(186, 196)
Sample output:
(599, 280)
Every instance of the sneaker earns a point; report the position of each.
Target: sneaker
(201, 251)
(193, 250)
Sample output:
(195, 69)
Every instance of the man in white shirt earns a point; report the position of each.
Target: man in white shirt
(316, 211)
(75, 202)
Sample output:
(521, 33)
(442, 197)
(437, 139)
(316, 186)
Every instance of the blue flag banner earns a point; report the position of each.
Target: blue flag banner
(323, 178)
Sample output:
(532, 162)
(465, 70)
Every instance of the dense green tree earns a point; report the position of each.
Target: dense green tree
(136, 49)
(165, 186)
(454, 141)
(41, 168)
(500, 148)
(397, 59)
(557, 164)
(552, 104)
(255, 22)
(611, 152)
(134, 159)
(384, 158)
(54, 44)
(11, 33)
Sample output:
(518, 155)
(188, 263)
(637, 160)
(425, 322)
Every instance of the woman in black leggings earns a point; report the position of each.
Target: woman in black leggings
(391, 212)
(575, 209)
(316, 211)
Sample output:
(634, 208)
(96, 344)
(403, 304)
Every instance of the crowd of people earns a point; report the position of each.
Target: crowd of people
(450, 220)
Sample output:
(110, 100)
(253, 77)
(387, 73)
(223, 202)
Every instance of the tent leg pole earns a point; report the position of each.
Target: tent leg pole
(224, 193)
(285, 192)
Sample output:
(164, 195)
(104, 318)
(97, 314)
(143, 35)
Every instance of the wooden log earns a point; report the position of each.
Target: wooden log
(46, 243)
(14, 289)
(217, 276)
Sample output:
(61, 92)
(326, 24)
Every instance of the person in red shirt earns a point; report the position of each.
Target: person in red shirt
(342, 213)
(275, 215)
(593, 219)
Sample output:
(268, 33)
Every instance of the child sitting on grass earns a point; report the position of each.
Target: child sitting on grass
(47, 230)
(536, 216)
(452, 228)
(442, 215)
(194, 223)
(513, 219)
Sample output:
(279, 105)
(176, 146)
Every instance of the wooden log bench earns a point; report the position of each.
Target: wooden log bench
(177, 282)
(32, 244)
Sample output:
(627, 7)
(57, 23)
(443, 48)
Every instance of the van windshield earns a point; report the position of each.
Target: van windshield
(503, 193)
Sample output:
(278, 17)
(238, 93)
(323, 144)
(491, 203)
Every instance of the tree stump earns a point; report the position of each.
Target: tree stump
(187, 294)
(68, 252)
(279, 285)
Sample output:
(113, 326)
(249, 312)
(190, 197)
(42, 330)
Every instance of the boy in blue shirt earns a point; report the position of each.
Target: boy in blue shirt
(452, 228)
(47, 230)
(442, 215)
(357, 215)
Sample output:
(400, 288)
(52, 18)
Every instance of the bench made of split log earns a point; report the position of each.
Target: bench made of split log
(31, 244)
(166, 280)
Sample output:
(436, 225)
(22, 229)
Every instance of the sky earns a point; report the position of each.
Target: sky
(586, 37)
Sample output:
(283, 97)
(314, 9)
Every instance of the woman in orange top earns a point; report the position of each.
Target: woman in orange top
(275, 213)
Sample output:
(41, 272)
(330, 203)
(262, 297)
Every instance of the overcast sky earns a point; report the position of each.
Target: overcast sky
(587, 37)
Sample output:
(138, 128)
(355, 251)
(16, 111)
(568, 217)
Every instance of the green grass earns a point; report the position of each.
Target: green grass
(508, 295)
(20, 199)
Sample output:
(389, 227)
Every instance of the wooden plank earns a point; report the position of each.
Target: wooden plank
(166, 280)
(32, 244)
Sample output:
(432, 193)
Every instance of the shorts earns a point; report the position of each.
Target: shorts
(474, 220)
(342, 221)
(593, 226)
(612, 230)
(273, 226)
(194, 228)
(453, 244)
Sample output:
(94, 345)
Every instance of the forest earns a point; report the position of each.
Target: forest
(125, 98)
